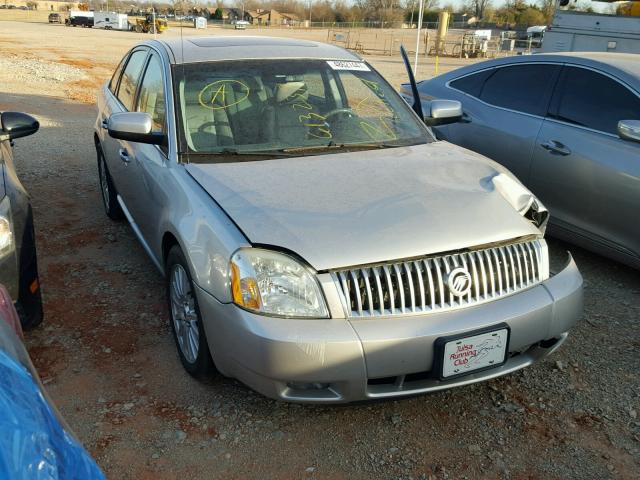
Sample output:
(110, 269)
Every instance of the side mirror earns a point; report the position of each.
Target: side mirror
(629, 130)
(442, 112)
(17, 125)
(134, 127)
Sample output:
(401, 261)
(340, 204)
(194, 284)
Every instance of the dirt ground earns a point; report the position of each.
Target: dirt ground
(106, 355)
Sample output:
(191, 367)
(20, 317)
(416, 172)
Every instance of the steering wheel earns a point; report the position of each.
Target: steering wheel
(339, 111)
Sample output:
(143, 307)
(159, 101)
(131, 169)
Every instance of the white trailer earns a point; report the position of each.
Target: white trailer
(111, 20)
(573, 31)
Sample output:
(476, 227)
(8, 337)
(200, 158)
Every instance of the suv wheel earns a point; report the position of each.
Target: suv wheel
(108, 189)
(185, 318)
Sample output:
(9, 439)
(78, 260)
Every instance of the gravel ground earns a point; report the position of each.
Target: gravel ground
(106, 354)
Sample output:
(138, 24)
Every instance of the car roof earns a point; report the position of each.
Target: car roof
(211, 49)
(623, 65)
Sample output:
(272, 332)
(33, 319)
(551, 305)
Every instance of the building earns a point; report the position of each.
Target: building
(271, 17)
(42, 5)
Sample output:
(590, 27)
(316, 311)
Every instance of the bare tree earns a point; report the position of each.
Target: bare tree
(479, 7)
(548, 8)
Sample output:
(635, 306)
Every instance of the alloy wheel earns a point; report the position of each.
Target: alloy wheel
(104, 184)
(183, 313)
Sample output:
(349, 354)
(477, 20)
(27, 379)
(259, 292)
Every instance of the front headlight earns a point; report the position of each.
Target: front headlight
(522, 200)
(6, 230)
(273, 283)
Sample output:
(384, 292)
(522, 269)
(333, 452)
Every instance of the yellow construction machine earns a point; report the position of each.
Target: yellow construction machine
(630, 9)
(149, 24)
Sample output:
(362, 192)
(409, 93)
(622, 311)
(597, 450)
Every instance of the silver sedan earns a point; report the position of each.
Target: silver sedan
(318, 243)
(568, 125)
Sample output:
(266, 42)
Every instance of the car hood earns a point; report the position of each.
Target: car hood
(358, 208)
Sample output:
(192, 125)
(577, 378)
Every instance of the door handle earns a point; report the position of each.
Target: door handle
(124, 155)
(105, 124)
(466, 118)
(556, 147)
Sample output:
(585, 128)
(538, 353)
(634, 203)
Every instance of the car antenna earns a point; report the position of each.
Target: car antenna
(417, 105)
(182, 81)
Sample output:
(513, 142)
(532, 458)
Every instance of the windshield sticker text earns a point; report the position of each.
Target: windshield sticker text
(346, 65)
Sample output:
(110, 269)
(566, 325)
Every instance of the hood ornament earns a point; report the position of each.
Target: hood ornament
(459, 281)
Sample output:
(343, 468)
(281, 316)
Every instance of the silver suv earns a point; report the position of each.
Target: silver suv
(318, 243)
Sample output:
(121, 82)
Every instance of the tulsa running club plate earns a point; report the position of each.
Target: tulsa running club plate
(472, 352)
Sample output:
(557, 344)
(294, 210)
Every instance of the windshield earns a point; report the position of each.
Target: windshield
(281, 107)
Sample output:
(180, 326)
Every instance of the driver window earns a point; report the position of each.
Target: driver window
(151, 98)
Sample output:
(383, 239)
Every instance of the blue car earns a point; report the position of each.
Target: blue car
(35, 442)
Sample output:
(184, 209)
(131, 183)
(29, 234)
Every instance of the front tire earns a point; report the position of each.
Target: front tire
(185, 318)
(107, 189)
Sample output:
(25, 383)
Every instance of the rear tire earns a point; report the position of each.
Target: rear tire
(185, 318)
(107, 189)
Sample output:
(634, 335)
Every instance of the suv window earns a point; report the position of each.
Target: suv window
(152, 98)
(593, 100)
(130, 76)
(524, 88)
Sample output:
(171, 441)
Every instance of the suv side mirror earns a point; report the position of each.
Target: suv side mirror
(17, 124)
(134, 127)
(629, 130)
(442, 112)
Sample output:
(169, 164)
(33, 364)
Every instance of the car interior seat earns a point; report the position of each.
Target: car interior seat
(291, 111)
(205, 116)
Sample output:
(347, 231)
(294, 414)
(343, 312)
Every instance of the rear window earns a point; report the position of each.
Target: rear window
(130, 77)
(472, 84)
(113, 84)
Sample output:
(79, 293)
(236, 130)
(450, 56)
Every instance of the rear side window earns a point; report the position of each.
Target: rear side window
(524, 88)
(130, 77)
(113, 84)
(472, 84)
(593, 100)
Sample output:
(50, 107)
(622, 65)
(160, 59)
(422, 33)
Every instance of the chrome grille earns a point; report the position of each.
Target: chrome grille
(420, 285)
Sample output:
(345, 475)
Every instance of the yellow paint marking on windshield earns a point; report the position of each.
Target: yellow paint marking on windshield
(378, 133)
(375, 86)
(318, 118)
(217, 95)
(318, 123)
(377, 106)
(314, 122)
(301, 102)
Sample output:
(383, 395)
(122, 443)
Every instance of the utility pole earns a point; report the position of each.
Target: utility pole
(420, 15)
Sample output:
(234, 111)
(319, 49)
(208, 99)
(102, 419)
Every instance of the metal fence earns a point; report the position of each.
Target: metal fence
(457, 43)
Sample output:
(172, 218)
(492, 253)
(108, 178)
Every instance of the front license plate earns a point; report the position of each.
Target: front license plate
(477, 352)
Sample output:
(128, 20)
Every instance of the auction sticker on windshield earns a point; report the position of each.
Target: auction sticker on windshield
(347, 65)
(464, 355)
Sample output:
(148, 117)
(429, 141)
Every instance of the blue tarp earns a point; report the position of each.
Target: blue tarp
(33, 442)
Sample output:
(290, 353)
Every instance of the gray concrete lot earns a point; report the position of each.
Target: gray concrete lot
(106, 354)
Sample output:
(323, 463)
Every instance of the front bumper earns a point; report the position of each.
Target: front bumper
(344, 360)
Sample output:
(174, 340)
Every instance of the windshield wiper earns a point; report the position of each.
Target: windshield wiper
(337, 146)
(234, 151)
